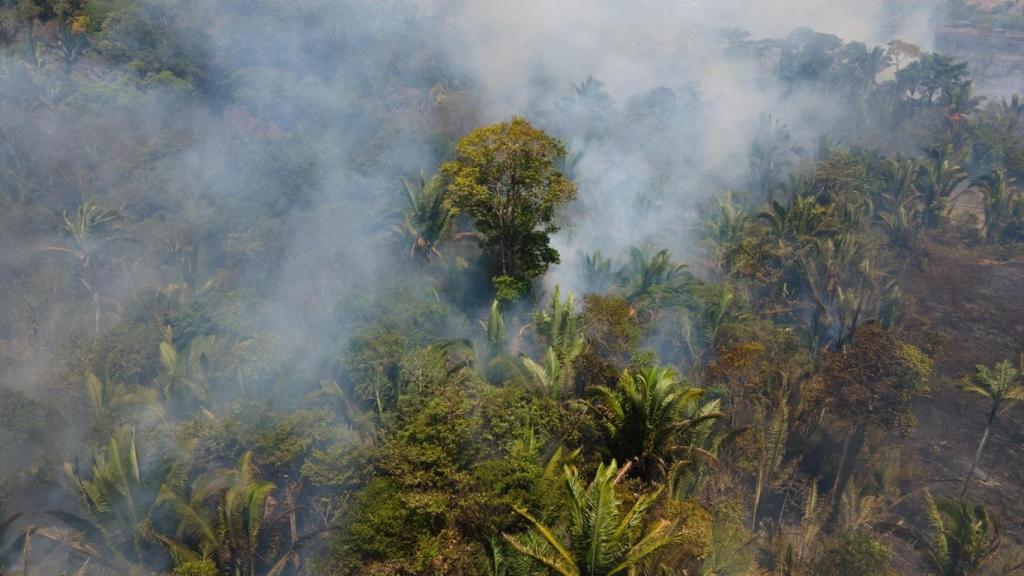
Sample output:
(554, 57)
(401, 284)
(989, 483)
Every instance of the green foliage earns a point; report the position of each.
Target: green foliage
(196, 568)
(963, 538)
(859, 554)
(430, 442)
(1000, 201)
(602, 538)
(428, 215)
(505, 177)
(117, 500)
(649, 274)
(651, 416)
(198, 298)
(382, 526)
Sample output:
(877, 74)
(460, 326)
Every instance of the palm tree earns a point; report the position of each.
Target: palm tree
(428, 215)
(106, 397)
(561, 327)
(645, 272)
(941, 173)
(600, 540)
(772, 430)
(596, 271)
(769, 156)
(961, 104)
(186, 369)
(964, 538)
(649, 415)
(89, 228)
(551, 377)
(899, 176)
(225, 517)
(725, 232)
(803, 218)
(1000, 197)
(903, 223)
(196, 537)
(118, 500)
(494, 329)
(1002, 386)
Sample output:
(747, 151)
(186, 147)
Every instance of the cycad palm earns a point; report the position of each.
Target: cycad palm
(648, 413)
(601, 539)
(1002, 386)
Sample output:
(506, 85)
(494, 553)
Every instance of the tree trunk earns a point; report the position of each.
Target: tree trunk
(847, 463)
(977, 453)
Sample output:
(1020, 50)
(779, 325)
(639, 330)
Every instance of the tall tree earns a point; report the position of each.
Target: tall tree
(505, 177)
(89, 229)
(1002, 386)
(870, 383)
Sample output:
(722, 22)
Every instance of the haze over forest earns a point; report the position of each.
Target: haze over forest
(442, 287)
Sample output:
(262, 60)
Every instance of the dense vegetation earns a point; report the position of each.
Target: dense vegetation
(280, 308)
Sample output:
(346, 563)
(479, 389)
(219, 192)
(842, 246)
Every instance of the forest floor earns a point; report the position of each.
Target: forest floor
(975, 298)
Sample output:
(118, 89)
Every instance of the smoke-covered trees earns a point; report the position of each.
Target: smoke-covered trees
(322, 378)
(506, 178)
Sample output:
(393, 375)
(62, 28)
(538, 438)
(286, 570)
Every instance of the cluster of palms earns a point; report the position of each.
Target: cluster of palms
(138, 514)
(653, 421)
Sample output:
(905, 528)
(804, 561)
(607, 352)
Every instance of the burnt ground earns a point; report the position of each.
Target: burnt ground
(975, 299)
